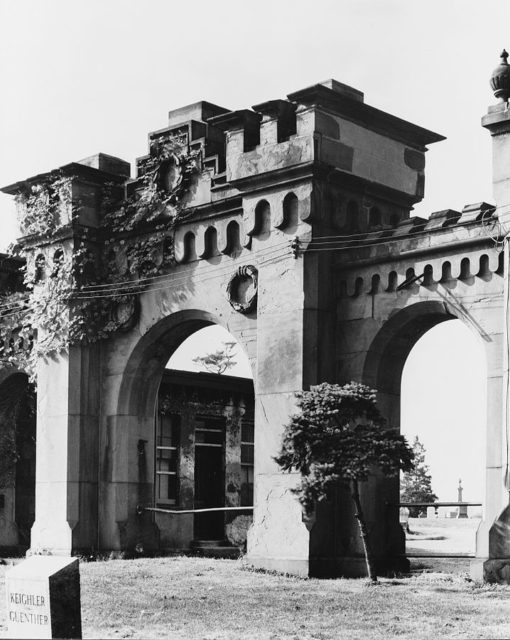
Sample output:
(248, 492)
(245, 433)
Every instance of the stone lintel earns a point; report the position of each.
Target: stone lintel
(367, 116)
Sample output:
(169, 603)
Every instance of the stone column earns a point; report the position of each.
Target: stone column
(66, 454)
(497, 543)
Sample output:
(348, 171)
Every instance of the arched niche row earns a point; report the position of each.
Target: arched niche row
(190, 252)
(262, 225)
(40, 268)
(290, 219)
(233, 246)
(210, 243)
(58, 261)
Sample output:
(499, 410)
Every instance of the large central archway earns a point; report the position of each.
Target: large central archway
(175, 441)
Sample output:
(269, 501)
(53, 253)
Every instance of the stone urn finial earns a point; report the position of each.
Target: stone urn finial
(500, 79)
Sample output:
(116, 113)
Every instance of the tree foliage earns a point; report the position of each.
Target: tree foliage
(416, 484)
(17, 410)
(338, 437)
(220, 360)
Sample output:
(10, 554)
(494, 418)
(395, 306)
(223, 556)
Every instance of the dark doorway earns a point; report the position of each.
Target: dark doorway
(17, 456)
(25, 465)
(209, 477)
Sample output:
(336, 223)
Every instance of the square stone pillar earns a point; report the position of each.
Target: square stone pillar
(67, 452)
(278, 539)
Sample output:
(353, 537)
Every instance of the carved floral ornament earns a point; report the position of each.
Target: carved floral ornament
(242, 289)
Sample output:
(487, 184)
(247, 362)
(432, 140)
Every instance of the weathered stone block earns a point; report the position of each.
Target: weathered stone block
(43, 598)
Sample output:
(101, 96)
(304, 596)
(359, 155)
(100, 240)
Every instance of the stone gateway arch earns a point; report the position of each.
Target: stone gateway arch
(289, 225)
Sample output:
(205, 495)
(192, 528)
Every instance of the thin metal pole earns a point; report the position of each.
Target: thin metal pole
(181, 511)
(434, 504)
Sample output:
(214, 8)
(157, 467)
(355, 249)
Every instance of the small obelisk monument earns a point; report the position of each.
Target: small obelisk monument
(462, 510)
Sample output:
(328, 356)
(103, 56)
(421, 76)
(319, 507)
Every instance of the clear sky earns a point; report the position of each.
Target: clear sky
(82, 76)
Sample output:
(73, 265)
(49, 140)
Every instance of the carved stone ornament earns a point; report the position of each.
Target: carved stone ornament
(170, 174)
(125, 314)
(242, 289)
(500, 79)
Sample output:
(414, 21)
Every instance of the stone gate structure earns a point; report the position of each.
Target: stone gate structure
(296, 235)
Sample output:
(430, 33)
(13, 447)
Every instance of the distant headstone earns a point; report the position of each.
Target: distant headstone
(43, 598)
(404, 515)
(404, 518)
(462, 512)
(431, 512)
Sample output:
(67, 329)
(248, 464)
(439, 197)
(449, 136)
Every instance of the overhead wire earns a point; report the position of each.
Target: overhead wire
(317, 244)
(170, 279)
(175, 278)
(149, 279)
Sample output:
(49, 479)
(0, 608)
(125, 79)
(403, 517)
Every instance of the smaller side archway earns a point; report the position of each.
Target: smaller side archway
(390, 348)
(383, 370)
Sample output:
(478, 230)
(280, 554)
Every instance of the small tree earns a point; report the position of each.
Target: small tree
(338, 438)
(416, 485)
(218, 361)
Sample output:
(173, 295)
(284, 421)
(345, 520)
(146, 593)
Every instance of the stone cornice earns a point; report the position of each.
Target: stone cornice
(367, 116)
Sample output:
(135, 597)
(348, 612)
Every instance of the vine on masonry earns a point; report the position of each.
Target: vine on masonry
(57, 306)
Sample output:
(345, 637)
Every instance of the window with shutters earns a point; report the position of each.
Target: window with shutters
(167, 459)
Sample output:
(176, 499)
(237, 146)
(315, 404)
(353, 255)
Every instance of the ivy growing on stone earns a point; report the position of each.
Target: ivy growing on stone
(59, 306)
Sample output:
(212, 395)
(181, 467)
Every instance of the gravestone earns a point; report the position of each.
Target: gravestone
(431, 512)
(43, 598)
(404, 518)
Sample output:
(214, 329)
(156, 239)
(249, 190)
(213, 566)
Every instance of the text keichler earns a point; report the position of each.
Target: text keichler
(27, 598)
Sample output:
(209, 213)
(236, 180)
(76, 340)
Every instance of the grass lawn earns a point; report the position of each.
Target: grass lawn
(442, 535)
(188, 598)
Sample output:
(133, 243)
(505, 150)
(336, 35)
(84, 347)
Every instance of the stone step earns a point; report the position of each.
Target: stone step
(216, 552)
(214, 549)
(198, 544)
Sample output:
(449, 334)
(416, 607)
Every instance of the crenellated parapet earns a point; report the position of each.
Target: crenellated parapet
(319, 161)
(450, 247)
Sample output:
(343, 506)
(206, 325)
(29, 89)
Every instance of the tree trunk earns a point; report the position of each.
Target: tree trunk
(363, 531)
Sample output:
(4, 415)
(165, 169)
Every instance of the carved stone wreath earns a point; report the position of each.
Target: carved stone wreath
(242, 289)
(125, 314)
(172, 172)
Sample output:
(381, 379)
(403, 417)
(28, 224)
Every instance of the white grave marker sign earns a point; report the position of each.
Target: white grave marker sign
(43, 598)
